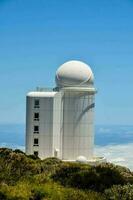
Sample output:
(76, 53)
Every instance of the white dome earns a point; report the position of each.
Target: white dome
(74, 73)
(81, 159)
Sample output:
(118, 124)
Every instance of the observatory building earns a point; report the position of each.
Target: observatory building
(60, 122)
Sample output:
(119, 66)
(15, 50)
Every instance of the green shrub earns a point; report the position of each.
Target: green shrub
(3, 196)
(65, 171)
(96, 178)
(34, 157)
(19, 151)
(118, 174)
(14, 166)
(119, 192)
(25, 177)
(52, 161)
(5, 152)
(38, 193)
(20, 191)
(75, 194)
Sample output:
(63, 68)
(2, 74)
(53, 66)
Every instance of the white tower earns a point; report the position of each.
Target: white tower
(60, 123)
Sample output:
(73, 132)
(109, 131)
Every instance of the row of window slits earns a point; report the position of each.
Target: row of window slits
(36, 143)
(36, 127)
(36, 103)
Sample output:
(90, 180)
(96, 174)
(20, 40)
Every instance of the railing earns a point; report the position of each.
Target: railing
(43, 89)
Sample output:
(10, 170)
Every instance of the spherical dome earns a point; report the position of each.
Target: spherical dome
(74, 73)
(81, 159)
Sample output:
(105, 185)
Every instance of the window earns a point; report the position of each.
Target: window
(36, 116)
(36, 103)
(35, 141)
(36, 153)
(36, 129)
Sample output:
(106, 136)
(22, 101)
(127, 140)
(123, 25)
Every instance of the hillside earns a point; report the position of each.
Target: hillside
(25, 177)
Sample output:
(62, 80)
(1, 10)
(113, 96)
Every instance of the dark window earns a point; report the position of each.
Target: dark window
(36, 103)
(36, 153)
(36, 129)
(35, 141)
(36, 116)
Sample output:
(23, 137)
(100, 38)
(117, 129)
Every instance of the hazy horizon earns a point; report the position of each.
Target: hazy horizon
(113, 142)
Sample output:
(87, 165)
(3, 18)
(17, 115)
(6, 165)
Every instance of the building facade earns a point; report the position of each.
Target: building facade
(60, 123)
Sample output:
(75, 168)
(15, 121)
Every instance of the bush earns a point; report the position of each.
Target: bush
(119, 192)
(52, 161)
(19, 151)
(14, 166)
(34, 157)
(3, 196)
(75, 194)
(18, 192)
(25, 177)
(96, 178)
(64, 172)
(38, 193)
(5, 152)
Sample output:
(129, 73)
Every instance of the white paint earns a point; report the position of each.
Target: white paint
(81, 159)
(66, 117)
(74, 73)
(41, 94)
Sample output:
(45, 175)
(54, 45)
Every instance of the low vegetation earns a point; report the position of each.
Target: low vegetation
(25, 177)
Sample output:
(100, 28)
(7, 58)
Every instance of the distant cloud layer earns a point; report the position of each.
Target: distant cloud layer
(115, 142)
(12, 146)
(120, 154)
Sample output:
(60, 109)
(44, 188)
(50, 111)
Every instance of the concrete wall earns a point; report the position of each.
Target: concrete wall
(45, 123)
(65, 124)
(78, 133)
(58, 125)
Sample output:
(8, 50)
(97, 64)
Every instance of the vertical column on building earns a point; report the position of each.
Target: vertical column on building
(57, 125)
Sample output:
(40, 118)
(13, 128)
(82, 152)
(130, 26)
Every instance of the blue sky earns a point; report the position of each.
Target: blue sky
(37, 36)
